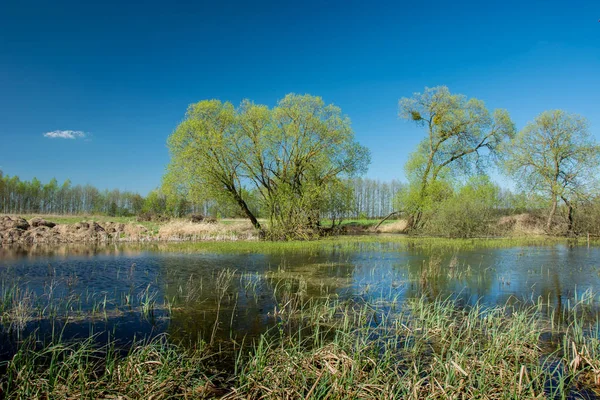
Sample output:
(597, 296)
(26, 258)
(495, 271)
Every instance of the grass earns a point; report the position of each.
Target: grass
(319, 346)
(364, 223)
(173, 230)
(337, 350)
(181, 230)
(365, 243)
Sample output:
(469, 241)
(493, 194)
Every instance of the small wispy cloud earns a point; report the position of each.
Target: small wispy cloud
(65, 135)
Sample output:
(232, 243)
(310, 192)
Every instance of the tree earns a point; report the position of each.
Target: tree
(338, 201)
(555, 156)
(18, 196)
(288, 154)
(156, 203)
(50, 190)
(469, 211)
(462, 136)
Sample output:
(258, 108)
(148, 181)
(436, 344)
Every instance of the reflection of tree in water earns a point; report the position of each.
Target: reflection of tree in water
(266, 285)
(564, 276)
(464, 275)
(262, 286)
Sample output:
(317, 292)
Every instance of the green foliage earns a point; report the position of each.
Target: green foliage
(414, 199)
(284, 159)
(338, 201)
(156, 203)
(555, 156)
(587, 217)
(25, 197)
(470, 212)
(462, 138)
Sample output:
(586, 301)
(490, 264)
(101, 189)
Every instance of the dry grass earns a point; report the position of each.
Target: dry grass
(522, 225)
(185, 230)
(399, 226)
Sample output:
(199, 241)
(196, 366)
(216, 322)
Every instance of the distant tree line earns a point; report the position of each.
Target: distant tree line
(367, 198)
(373, 198)
(19, 196)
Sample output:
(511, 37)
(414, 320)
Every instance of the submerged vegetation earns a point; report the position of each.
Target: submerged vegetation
(340, 350)
(391, 334)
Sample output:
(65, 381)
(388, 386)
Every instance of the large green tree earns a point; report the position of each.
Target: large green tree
(555, 156)
(290, 155)
(461, 136)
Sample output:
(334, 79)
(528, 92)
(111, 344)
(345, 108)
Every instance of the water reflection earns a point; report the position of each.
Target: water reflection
(140, 290)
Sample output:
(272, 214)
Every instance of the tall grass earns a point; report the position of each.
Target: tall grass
(365, 346)
(338, 350)
(378, 243)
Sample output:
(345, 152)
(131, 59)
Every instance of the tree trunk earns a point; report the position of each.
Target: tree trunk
(551, 215)
(248, 213)
(386, 218)
(570, 215)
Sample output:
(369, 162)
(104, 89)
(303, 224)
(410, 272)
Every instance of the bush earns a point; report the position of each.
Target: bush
(587, 218)
(470, 212)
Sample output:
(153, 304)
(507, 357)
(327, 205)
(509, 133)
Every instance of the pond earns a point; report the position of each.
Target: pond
(211, 292)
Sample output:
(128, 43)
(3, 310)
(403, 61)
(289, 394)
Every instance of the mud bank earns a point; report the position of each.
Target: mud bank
(17, 230)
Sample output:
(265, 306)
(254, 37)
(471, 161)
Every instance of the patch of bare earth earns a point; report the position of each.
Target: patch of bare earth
(17, 230)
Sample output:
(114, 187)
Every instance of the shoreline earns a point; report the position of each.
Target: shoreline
(99, 231)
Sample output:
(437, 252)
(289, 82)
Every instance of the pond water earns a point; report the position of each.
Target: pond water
(139, 291)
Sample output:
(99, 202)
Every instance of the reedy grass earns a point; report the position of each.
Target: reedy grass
(337, 349)
(320, 347)
(85, 370)
(379, 243)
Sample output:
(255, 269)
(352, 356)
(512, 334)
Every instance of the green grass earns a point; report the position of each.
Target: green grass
(336, 350)
(364, 243)
(318, 347)
(360, 222)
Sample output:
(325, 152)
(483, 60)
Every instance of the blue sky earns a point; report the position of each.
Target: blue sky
(124, 72)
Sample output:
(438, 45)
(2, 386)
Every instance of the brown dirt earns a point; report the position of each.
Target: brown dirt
(16, 230)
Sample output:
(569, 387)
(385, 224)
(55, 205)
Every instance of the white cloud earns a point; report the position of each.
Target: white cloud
(65, 135)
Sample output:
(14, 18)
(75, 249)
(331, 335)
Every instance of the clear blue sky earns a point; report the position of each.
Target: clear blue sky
(124, 72)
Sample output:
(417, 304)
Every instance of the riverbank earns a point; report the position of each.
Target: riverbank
(55, 230)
